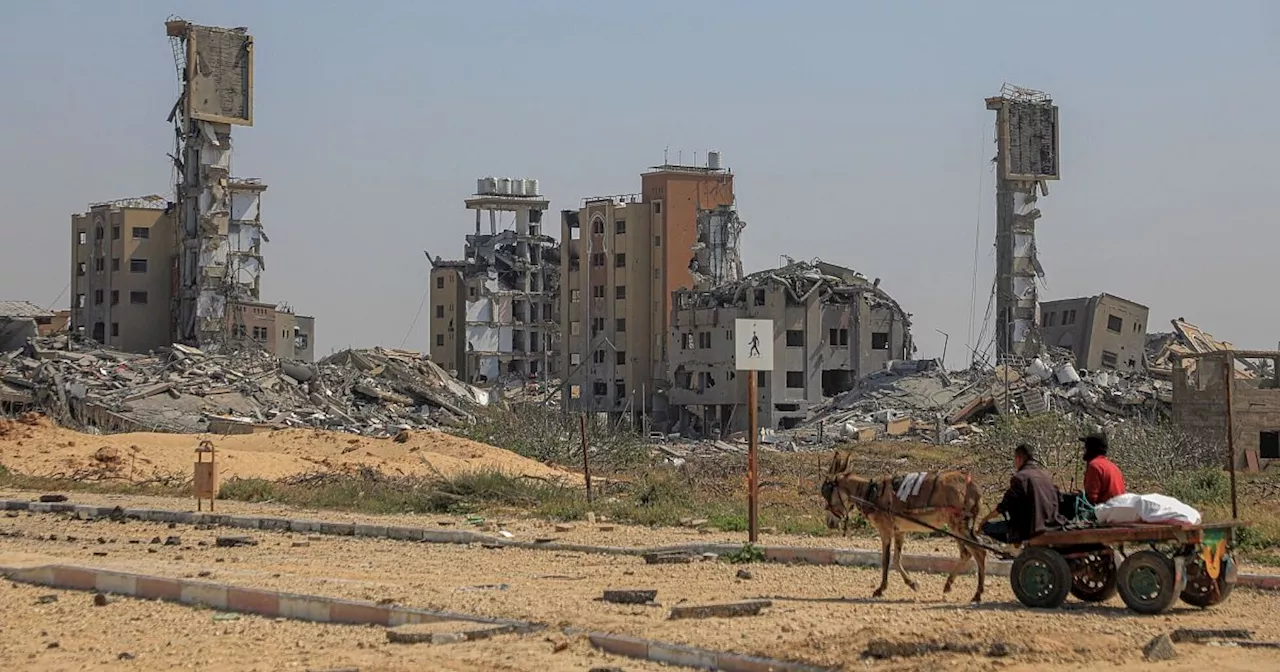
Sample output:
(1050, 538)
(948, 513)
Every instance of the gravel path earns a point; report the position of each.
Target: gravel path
(821, 615)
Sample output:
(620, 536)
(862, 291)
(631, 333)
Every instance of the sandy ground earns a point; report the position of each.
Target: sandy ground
(71, 634)
(821, 615)
(38, 448)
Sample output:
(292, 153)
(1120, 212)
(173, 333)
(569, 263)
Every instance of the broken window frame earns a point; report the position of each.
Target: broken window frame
(880, 340)
(1115, 324)
(795, 380)
(136, 264)
(140, 233)
(1108, 356)
(795, 338)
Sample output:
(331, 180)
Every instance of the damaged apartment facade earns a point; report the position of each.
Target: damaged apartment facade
(1201, 398)
(622, 259)
(494, 312)
(832, 326)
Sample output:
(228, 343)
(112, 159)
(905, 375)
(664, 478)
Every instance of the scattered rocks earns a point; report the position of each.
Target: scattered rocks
(99, 600)
(300, 544)
(204, 574)
(745, 574)
(173, 541)
(1159, 648)
(156, 540)
(45, 599)
(564, 528)
(126, 656)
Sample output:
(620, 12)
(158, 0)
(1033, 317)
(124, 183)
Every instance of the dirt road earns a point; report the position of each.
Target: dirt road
(821, 615)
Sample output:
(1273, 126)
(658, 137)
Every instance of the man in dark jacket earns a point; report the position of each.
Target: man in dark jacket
(1030, 504)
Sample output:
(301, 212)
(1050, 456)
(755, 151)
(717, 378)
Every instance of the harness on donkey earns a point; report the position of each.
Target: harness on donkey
(869, 500)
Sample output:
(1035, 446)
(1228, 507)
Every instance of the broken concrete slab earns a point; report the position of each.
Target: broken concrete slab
(725, 610)
(443, 632)
(629, 596)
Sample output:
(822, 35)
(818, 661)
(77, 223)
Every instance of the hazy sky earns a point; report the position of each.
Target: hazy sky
(857, 132)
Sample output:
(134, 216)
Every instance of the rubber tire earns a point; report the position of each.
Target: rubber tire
(1202, 600)
(1103, 593)
(1059, 572)
(1166, 576)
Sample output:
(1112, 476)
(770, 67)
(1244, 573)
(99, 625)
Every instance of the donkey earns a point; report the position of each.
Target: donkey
(948, 498)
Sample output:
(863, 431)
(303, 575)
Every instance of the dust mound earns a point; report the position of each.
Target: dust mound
(35, 446)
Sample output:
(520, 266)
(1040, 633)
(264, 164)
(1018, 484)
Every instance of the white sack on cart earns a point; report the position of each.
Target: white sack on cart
(1133, 508)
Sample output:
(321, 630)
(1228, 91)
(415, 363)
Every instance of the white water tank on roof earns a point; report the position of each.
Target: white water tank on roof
(490, 185)
(480, 185)
(519, 186)
(713, 160)
(503, 186)
(531, 188)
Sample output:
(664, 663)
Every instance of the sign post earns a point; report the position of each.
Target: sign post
(753, 352)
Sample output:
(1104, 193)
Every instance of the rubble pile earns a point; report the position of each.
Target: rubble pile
(376, 392)
(918, 399)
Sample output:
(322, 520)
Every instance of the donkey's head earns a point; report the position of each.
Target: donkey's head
(837, 506)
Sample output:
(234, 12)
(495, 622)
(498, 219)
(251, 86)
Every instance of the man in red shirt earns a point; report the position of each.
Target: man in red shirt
(1102, 478)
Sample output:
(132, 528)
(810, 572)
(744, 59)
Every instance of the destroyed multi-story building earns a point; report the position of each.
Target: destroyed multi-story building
(1026, 161)
(832, 326)
(1201, 398)
(622, 258)
(1103, 331)
(147, 272)
(494, 312)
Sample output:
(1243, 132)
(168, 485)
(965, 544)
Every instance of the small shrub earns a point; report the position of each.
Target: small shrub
(747, 554)
(1200, 487)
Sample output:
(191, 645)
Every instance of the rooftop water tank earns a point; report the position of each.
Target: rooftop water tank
(480, 186)
(713, 160)
(503, 186)
(531, 188)
(518, 186)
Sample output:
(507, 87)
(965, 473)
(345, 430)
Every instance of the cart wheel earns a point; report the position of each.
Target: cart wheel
(1093, 577)
(1201, 590)
(1148, 582)
(1041, 578)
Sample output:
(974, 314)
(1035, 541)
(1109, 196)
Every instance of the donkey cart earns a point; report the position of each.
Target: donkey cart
(1189, 561)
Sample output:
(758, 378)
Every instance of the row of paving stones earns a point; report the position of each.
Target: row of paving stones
(276, 604)
(785, 554)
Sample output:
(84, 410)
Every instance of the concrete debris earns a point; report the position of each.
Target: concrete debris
(630, 596)
(377, 392)
(728, 610)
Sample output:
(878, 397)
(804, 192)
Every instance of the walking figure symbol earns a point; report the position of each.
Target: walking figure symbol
(755, 345)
